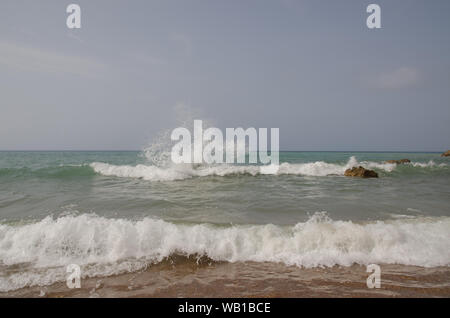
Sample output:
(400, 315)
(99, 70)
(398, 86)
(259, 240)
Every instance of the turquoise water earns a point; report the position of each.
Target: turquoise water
(115, 212)
(36, 184)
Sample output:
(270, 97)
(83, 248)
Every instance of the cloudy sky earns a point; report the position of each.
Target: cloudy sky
(311, 68)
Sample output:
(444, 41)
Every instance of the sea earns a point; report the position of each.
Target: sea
(116, 213)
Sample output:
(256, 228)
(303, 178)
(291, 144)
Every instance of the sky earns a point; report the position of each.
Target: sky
(310, 68)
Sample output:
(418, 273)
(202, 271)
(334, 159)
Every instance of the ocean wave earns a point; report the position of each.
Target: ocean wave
(185, 171)
(103, 246)
(60, 171)
(428, 164)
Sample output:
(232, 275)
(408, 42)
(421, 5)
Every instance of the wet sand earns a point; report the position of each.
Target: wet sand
(189, 278)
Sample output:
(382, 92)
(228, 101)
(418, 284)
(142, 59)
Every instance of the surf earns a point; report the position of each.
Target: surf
(108, 246)
(188, 171)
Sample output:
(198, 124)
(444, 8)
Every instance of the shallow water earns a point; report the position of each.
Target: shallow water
(183, 277)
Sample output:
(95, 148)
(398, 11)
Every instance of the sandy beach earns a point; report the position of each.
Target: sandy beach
(184, 277)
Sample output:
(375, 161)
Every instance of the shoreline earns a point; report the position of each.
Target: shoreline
(187, 278)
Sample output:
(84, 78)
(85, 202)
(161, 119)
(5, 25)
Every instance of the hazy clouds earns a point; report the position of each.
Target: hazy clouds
(311, 68)
(24, 58)
(399, 78)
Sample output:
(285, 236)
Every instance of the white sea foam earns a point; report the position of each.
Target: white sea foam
(428, 164)
(184, 171)
(145, 172)
(103, 246)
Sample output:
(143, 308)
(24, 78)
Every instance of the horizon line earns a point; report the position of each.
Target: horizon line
(282, 150)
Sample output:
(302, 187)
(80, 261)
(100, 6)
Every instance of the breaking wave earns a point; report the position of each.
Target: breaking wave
(185, 171)
(103, 246)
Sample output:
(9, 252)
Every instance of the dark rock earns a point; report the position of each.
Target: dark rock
(446, 154)
(360, 172)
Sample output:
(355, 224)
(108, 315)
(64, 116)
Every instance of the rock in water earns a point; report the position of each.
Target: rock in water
(446, 154)
(360, 172)
(399, 161)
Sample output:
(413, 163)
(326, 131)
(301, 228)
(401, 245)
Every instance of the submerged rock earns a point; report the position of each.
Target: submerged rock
(399, 161)
(360, 172)
(446, 154)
